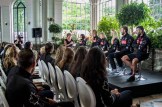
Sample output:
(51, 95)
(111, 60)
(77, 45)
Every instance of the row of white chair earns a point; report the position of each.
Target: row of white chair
(65, 85)
(3, 80)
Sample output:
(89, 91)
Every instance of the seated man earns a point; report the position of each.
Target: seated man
(141, 43)
(21, 92)
(125, 48)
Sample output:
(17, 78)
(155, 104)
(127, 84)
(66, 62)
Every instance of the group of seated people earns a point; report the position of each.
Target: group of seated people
(89, 64)
(125, 50)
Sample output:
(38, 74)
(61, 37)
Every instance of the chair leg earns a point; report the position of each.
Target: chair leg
(140, 77)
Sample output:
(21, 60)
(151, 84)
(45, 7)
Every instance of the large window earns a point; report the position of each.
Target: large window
(155, 5)
(76, 15)
(106, 8)
(19, 18)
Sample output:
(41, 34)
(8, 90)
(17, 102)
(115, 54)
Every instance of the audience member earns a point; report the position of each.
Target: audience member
(95, 74)
(77, 61)
(66, 60)
(59, 54)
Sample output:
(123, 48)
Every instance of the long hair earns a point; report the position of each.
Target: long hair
(10, 59)
(59, 54)
(67, 58)
(77, 61)
(94, 66)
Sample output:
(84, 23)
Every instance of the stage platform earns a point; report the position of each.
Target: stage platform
(151, 83)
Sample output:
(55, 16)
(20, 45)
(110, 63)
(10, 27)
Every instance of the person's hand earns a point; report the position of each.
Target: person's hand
(51, 101)
(115, 91)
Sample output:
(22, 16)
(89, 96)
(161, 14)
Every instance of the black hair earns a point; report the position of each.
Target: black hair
(26, 58)
(83, 36)
(48, 47)
(141, 28)
(125, 28)
(27, 45)
(94, 66)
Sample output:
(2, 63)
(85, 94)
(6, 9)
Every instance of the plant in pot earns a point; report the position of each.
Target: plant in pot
(133, 14)
(107, 24)
(55, 29)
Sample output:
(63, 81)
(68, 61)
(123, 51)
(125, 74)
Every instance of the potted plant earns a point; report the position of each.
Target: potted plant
(133, 14)
(107, 24)
(55, 29)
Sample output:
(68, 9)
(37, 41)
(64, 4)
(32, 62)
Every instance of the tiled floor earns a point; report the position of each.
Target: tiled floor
(148, 101)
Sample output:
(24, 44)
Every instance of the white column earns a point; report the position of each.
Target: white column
(94, 11)
(50, 14)
(5, 23)
(44, 20)
(58, 11)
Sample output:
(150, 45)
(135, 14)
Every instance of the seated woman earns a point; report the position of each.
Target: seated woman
(77, 62)
(10, 59)
(59, 54)
(104, 44)
(66, 60)
(46, 57)
(82, 41)
(68, 42)
(96, 39)
(95, 74)
(18, 42)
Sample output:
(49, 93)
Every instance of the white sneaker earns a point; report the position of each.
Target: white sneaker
(114, 71)
(120, 69)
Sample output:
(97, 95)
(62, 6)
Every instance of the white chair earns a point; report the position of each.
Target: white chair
(71, 88)
(2, 84)
(4, 77)
(53, 80)
(46, 72)
(61, 84)
(86, 95)
(3, 98)
(41, 73)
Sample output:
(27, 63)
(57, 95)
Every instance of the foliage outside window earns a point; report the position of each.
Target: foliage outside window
(155, 6)
(106, 8)
(19, 17)
(76, 15)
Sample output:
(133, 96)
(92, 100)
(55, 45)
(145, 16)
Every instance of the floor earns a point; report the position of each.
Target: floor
(149, 101)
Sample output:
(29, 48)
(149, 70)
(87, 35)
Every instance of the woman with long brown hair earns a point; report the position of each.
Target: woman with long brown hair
(95, 74)
(77, 62)
(66, 60)
(10, 59)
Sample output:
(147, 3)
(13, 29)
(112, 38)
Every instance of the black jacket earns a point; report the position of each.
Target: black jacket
(104, 44)
(126, 43)
(143, 44)
(47, 58)
(115, 45)
(103, 96)
(82, 42)
(96, 41)
(19, 89)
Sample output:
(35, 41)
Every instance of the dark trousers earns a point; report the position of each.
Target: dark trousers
(124, 99)
(118, 56)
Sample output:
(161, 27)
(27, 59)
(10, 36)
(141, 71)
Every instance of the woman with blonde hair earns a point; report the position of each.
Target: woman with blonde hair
(59, 54)
(10, 59)
(66, 60)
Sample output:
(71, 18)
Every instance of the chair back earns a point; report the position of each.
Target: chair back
(61, 83)
(52, 73)
(2, 84)
(3, 100)
(70, 86)
(4, 77)
(86, 95)
(46, 72)
(40, 69)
